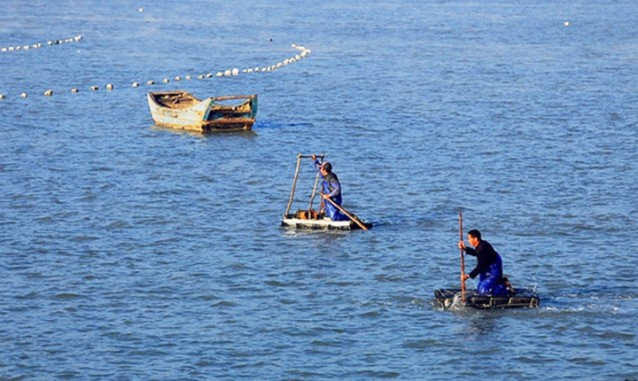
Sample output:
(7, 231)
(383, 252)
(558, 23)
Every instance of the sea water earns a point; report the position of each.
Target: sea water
(131, 252)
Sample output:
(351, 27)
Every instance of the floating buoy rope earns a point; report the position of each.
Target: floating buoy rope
(303, 53)
(38, 45)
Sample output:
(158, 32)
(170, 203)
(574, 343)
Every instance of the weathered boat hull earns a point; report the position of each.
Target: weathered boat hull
(181, 110)
(519, 298)
(300, 220)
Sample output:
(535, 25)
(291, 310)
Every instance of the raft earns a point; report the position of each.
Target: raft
(518, 298)
(304, 219)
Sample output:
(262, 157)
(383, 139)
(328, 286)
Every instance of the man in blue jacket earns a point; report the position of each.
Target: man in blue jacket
(488, 265)
(330, 189)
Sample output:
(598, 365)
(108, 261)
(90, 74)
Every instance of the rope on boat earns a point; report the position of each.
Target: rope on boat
(303, 53)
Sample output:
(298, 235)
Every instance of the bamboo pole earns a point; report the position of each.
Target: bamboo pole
(462, 257)
(314, 187)
(294, 185)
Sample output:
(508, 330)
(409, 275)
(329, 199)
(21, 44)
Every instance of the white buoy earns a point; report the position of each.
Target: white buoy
(188, 77)
(2, 96)
(94, 88)
(178, 78)
(109, 86)
(135, 84)
(24, 95)
(235, 72)
(48, 93)
(566, 23)
(74, 90)
(150, 82)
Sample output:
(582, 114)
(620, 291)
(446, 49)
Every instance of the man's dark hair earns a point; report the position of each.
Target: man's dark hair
(327, 166)
(475, 233)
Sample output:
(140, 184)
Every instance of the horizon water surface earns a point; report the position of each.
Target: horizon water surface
(131, 252)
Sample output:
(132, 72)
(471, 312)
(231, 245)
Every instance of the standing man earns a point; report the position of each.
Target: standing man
(330, 189)
(488, 265)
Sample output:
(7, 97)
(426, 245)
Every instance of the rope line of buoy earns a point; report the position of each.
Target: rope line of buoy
(303, 53)
(38, 45)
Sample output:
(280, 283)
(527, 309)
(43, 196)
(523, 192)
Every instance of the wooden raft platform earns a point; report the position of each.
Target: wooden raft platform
(519, 298)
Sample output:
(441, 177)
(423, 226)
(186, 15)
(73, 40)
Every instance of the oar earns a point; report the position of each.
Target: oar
(355, 220)
(462, 257)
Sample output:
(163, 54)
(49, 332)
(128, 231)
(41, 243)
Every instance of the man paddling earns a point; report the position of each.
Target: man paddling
(488, 265)
(330, 189)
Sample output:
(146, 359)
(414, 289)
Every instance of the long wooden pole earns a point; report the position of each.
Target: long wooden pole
(314, 189)
(355, 220)
(462, 257)
(314, 186)
(294, 185)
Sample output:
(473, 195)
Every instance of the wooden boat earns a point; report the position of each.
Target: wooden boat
(312, 219)
(518, 298)
(181, 110)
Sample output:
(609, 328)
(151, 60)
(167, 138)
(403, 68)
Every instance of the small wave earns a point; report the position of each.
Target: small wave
(67, 296)
(119, 224)
(277, 283)
(371, 374)
(425, 343)
(225, 304)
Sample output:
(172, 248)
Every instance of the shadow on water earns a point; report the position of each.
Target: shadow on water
(241, 134)
(271, 125)
(329, 234)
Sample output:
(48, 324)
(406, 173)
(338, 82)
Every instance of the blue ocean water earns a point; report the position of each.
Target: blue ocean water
(134, 252)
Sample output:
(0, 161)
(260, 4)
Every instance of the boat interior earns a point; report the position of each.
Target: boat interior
(177, 99)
